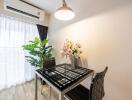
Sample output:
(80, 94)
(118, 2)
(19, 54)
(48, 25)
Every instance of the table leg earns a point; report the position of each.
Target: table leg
(36, 87)
(61, 96)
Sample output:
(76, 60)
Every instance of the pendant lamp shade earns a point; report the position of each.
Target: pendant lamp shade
(64, 12)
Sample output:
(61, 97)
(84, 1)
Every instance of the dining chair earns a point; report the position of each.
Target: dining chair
(48, 64)
(96, 91)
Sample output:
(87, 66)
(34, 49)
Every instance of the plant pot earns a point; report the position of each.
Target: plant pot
(49, 63)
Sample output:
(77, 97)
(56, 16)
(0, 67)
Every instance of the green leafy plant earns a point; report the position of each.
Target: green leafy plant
(38, 52)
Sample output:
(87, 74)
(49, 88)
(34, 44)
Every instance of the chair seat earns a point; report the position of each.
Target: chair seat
(78, 93)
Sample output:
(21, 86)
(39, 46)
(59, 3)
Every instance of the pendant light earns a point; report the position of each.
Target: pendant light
(64, 12)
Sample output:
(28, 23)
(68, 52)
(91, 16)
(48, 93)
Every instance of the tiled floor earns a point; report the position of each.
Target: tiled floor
(26, 92)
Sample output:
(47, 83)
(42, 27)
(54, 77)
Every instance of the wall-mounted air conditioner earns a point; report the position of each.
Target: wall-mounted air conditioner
(23, 8)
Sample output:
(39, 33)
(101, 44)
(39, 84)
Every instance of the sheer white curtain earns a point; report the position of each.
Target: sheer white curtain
(14, 69)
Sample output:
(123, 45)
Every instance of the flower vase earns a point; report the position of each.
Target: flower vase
(74, 62)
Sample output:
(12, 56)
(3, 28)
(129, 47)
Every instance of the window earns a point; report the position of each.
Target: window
(14, 69)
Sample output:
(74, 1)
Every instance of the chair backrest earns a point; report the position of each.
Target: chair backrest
(97, 86)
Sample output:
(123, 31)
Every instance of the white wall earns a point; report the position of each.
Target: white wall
(104, 28)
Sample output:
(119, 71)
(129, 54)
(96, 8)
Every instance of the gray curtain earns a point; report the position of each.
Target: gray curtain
(42, 31)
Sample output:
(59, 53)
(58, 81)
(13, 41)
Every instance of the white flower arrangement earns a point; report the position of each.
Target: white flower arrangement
(71, 49)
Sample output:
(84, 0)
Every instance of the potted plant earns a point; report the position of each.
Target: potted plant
(38, 52)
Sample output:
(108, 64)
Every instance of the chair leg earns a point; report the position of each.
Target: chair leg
(42, 91)
(36, 87)
(44, 94)
(50, 93)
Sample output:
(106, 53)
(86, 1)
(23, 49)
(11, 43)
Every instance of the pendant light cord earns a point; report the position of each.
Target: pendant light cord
(64, 3)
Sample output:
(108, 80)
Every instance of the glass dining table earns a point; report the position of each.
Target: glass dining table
(62, 77)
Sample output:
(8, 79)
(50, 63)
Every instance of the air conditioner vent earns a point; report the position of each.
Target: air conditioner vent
(22, 12)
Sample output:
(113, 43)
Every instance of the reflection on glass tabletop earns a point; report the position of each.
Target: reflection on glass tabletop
(64, 75)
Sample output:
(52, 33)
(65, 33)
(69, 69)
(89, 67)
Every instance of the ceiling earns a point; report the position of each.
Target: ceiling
(90, 7)
(49, 5)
